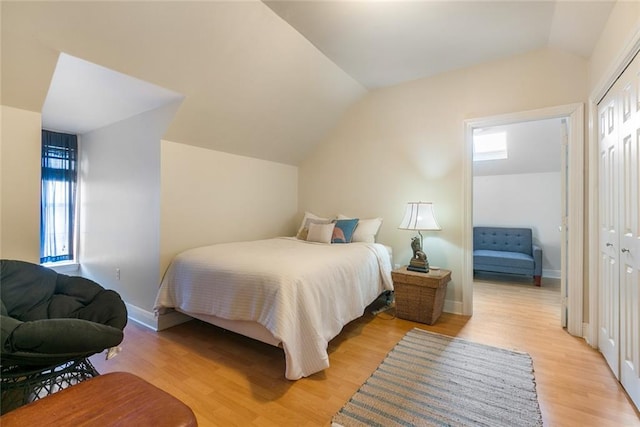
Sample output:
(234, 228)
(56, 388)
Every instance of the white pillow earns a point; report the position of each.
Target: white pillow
(366, 230)
(321, 233)
(308, 219)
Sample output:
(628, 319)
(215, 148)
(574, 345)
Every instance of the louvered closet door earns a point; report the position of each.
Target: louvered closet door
(619, 320)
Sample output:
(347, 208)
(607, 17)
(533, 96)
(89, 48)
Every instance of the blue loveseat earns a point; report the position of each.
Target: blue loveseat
(506, 250)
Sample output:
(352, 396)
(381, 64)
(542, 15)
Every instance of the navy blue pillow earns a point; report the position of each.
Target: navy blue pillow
(343, 231)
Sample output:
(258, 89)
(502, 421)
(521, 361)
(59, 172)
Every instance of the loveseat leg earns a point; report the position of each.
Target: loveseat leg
(536, 280)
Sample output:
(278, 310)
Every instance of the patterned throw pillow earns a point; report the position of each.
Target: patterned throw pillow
(343, 231)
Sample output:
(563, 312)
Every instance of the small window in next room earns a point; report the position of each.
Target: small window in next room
(489, 145)
(58, 196)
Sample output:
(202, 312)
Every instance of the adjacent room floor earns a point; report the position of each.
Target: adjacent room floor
(228, 379)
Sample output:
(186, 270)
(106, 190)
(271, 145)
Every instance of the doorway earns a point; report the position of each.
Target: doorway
(518, 182)
(571, 270)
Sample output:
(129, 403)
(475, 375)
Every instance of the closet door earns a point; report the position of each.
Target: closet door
(609, 296)
(628, 140)
(619, 290)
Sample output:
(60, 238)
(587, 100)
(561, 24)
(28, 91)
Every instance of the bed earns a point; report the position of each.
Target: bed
(284, 291)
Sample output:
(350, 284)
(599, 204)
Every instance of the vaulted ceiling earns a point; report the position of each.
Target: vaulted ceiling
(270, 80)
(381, 43)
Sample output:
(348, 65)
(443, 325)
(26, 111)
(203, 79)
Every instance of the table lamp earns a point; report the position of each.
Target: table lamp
(419, 216)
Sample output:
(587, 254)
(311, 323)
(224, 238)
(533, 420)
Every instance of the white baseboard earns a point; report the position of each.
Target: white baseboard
(156, 323)
(552, 274)
(143, 317)
(453, 307)
(586, 334)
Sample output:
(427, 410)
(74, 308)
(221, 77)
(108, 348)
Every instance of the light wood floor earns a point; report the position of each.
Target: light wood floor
(231, 380)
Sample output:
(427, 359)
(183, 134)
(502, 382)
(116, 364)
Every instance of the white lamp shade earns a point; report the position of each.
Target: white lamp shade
(419, 216)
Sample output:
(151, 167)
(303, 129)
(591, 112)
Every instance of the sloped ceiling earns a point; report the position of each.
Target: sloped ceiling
(382, 43)
(533, 147)
(252, 84)
(84, 96)
(271, 80)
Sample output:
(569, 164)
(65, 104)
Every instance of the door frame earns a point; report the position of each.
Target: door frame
(574, 113)
(617, 67)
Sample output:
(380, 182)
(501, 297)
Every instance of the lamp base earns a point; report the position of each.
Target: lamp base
(418, 265)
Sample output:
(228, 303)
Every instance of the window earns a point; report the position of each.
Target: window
(489, 146)
(58, 196)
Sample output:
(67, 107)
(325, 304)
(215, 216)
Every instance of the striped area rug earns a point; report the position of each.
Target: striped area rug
(433, 380)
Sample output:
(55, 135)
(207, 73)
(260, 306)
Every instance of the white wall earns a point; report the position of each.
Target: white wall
(621, 28)
(120, 205)
(21, 147)
(523, 200)
(212, 197)
(407, 143)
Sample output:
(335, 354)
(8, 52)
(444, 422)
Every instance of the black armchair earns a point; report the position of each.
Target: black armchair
(50, 324)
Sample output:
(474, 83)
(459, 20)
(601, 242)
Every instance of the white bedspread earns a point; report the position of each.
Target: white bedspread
(302, 292)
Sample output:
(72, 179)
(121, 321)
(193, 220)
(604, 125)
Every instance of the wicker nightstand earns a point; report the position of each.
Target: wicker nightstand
(420, 296)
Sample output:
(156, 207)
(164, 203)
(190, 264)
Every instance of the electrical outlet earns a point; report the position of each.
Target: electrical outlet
(117, 274)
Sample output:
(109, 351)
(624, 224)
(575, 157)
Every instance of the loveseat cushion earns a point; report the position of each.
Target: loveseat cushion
(503, 239)
(516, 260)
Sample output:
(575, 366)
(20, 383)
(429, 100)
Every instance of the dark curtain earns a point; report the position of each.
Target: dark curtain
(58, 199)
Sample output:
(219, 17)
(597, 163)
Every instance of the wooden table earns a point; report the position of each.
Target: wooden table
(115, 399)
(420, 296)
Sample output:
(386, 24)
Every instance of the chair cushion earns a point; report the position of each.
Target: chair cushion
(52, 340)
(26, 289)
(32, 292)
(81, 298)
(50, 318)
